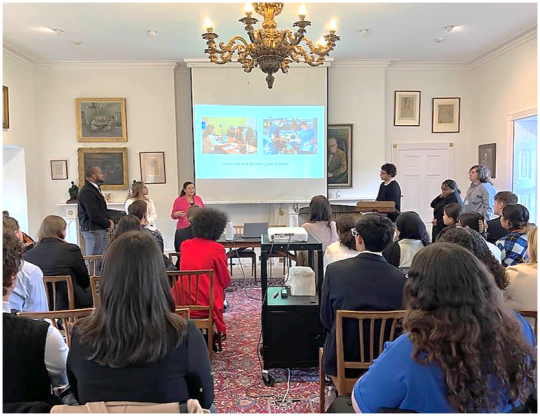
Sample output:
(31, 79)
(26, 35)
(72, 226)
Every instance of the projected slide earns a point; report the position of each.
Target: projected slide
(259, 142)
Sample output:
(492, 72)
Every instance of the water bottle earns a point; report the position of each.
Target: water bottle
(229, 231)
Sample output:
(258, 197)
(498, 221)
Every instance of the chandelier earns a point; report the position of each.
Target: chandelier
(270, 49)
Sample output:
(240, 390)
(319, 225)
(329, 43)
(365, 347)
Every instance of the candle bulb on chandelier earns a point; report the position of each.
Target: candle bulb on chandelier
(322, 41)
(332, 26)
(208, 24)
(302, 10)
(249, 8)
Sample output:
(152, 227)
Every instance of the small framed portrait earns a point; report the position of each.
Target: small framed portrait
(339, 163)
(153, 167)
(59, 170)
(101, 120)
(487, 156)
(407, 108)
(111, 160)
(5, 114)
(446, 115)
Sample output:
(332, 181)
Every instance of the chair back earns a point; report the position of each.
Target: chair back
(92, 263)
(94, 285)
(534, 316)
(53, 281)
(183, 312)
(175, 255)
(67, 318)
(345, 385)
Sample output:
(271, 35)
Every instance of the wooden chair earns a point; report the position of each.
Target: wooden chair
(534, 316)
(183, 312)
(67, 317)
(176, 255)
(345, 385)
(187, 297)
(94, 285)
(53, 281)
(243, 254)
(93, 264)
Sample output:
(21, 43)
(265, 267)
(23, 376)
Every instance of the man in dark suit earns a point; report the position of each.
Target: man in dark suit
(495, 230)
(362, 283)
(93, 216)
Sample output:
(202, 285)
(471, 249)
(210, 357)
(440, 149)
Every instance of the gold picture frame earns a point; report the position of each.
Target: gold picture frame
(5, 114)
(112, 160)
(101, 120)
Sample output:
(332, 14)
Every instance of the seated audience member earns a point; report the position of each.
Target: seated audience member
(203, 253)
(159, 357)
(28, 241)
(495, 230)
(320, 224)
(450, 194)
(34, 352)
(362, 283)
(412, 237)
(521, 293)
(29, 292)
(56, 257)
(132, 223)
(464, 350)
(474, 242)
(514, 218)
(184, 234)
(345, 248)
(476, 222)
(451, 214)
(139, 209)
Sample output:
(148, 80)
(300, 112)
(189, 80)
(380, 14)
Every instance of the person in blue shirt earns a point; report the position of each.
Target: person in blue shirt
(464, 350)
(515, 219)
(307, 138)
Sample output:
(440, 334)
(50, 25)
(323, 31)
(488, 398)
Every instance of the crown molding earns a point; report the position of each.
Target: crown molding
(360, 63)
(416, 66)
(504, 47)
(18, 56)
(205, 63)
(103, 64)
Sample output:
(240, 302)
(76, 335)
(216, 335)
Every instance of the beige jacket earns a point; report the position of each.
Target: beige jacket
(521, 293)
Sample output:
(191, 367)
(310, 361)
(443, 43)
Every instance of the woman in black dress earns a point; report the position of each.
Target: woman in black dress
(450, 194)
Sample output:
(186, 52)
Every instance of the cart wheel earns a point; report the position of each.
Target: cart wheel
(268, 380)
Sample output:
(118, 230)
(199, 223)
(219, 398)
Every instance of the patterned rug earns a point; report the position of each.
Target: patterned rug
(237, 370)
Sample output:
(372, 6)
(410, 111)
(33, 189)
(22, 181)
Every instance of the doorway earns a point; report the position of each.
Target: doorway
(525, 163)
(14, 185)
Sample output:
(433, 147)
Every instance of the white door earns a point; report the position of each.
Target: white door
(421, 170)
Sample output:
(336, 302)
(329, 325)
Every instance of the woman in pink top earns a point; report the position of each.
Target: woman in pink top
(186, 199)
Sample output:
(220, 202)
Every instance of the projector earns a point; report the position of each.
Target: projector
(287, 234)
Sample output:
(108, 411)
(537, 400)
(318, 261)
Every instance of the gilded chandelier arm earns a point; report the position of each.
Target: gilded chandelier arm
(224, 51)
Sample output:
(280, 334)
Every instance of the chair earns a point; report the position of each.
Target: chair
(534, 316)
(67, 317)
(243, 253)
(94, 285)
(345, 385)
(177, 256)
(188, 298)
(93, 264)
(183, 312)
(53, 281)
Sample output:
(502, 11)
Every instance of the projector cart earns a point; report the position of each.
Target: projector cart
(292, 332)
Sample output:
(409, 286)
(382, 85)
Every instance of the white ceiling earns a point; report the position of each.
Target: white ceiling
(402, 31)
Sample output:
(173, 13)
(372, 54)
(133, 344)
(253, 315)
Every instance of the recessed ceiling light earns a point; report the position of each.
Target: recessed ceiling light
(449, 28)
(364, 32)
(152, 33)
(438, 40)
(77, 42)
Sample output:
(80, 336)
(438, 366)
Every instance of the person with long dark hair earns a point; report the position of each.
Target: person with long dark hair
(480, 195)
(464, 349)
(181, 204)
(514, 218)
(450, 194)
(412, 237)
(476, 244)
(134, 347)
(345, 248)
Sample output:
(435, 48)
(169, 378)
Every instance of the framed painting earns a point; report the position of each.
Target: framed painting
(339, 162)
(111, 160)
(59, 170)
(153, 167)
(101, 120)
(487, 156)
(5, 114)
(446, 114)
(407, 108)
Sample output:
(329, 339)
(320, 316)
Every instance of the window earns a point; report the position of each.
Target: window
(526, 163)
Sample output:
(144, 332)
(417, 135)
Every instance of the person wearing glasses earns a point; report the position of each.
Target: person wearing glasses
(390, 189)
(366, 282)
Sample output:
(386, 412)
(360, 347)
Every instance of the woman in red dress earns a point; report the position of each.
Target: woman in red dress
(181, 204)
(202, 253)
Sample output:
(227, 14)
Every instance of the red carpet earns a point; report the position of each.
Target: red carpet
(237, 374)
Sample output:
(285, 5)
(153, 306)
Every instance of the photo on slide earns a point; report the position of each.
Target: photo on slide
(289, 136)
(229, 135)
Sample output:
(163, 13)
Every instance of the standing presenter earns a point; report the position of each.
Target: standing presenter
(186, 200)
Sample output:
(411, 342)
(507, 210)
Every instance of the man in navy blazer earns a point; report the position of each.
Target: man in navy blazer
(362, 283)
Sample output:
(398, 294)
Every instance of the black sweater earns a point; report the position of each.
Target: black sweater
(184, 373)
(391, 192)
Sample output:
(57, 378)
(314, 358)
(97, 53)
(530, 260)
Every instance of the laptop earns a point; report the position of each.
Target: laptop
(255, 229)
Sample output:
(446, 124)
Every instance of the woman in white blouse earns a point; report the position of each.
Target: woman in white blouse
(139, 191)
(521, 292)
(346, 246)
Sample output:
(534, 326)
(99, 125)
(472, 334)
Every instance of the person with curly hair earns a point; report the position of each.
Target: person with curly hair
(475, 221)
(390, 189)
(473, 241)
(202, 253)
(514, 218)
(464, 349)
(480, 196)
